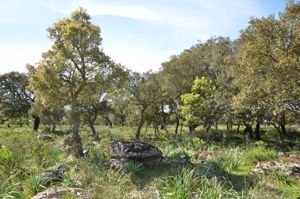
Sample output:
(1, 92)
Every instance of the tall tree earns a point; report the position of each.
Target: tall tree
(268, 68)
(67, 68)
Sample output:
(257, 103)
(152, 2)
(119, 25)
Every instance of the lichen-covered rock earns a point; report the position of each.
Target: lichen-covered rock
(60, 192)
(119, 164)
(53, 175)
(289, 165)
(46, 138)
(133, 149)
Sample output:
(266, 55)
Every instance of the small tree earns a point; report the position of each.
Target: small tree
(199, 106)
(15, 100)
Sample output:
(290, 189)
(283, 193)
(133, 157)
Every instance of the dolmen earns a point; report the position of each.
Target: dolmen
(123, 152)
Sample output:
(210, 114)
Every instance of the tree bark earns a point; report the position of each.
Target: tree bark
(91, 125)
(238, 128)
(278, 130)
(138, 131)
(78, 151)
(177, 125)
(108, 121)
(282, 125)
(257, 131)
(192, 129)
(36, 123)
(248, 132)
(53, 127)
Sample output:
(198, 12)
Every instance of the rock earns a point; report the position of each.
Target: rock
(119, 164)
(153, 161)
(46, 138)
(206, 155)
(53, 175)
(133, 149)
(59, 192)
(289, 165)
(179, 162)
(122, 152)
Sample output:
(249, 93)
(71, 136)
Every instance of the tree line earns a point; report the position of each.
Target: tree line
(248, 81)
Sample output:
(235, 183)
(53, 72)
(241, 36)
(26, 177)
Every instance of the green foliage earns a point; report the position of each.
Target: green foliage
(7, 159)
(199, 106)
(259, 153)
(134, 167)
(181, 186)
(10, 188)
(46, 154)
(33, 185)
(213, 189)
(15, 100)
(70, 180)
(180, 154)
(231, 159)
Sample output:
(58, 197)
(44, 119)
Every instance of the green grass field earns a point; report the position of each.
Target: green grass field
(229, 175)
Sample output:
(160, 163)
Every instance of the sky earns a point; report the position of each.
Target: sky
(139, 34)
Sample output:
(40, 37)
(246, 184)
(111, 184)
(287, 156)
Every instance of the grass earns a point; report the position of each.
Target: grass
(23, 157)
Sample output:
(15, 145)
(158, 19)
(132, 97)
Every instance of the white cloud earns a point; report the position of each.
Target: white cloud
(16, 56)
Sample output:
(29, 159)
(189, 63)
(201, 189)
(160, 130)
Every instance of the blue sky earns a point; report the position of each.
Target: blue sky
(140, 34)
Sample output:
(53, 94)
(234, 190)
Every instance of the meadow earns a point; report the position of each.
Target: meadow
(226, 174)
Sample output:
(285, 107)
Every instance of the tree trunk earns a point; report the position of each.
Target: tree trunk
(108, 121)
(53, 127)
(192, 129)
(138, 131)
(207, 128)
(278, 130)
(36, 123)
(238, 128)
(216, 125)
(248, 132)
(78, 151)
(177, 125)
(91, 125)
(257, 131)
(282, 125)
